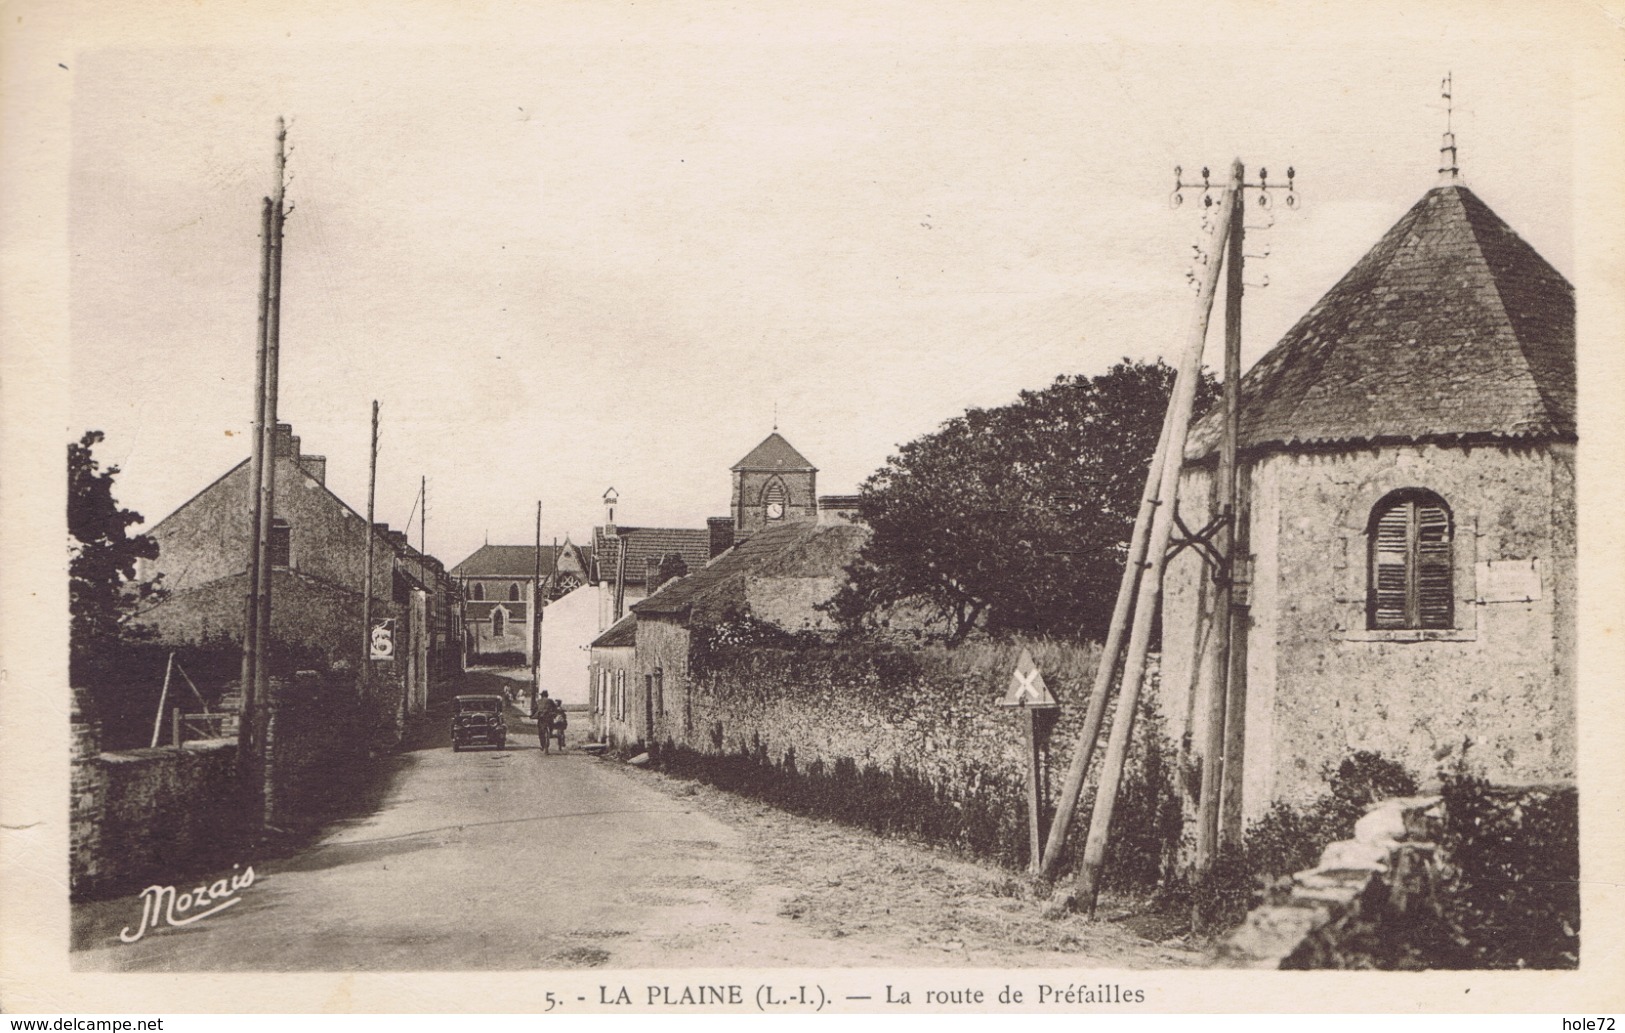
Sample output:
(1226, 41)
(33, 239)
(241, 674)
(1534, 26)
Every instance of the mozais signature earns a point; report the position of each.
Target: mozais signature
(161, 905)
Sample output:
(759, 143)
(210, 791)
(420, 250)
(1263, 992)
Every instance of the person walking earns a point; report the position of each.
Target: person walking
(547, 710)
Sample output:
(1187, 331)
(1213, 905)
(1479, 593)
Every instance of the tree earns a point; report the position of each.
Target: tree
(102, 592)
(1015, 518)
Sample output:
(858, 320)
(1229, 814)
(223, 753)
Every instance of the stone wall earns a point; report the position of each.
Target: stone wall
(318, 734)
(1386, 872)
(146, 813)
(1476, 877)
(792, 602)
(919, 732)
(1321, 685)
(140, 814)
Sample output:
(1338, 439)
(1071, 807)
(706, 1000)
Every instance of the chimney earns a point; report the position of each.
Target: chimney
(316, 466)
(610, 498)
(722, 534)
(840, 509)
(286, 443)
(651, 573)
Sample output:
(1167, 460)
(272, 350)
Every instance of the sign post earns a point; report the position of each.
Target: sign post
(1029, 693)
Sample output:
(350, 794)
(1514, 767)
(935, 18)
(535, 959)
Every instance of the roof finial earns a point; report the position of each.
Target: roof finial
(1448, 171)
(775, 415)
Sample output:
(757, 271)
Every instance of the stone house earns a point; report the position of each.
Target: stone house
(498, 584)
(1407, 519)
(319, 550)
(778, 576)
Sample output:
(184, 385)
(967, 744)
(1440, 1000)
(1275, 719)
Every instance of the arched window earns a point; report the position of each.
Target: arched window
(499, 622)
(775, 498)
(1411, 584)
(479, 591)
(513, 592)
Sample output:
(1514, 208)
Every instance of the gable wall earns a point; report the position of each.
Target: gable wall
(207, 539)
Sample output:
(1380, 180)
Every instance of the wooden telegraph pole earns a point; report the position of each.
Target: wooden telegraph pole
(268, 456)
(257, 623)
(245, 718)
(536, 613)
(366, 591)
(1140, 591)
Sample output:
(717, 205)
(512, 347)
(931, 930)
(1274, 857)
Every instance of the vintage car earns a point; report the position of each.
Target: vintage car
(479, 721)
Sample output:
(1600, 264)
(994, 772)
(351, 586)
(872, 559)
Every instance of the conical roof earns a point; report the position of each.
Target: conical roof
(775, 454)
(1452, 327)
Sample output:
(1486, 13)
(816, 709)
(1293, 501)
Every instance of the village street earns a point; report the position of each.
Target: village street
(519, 860)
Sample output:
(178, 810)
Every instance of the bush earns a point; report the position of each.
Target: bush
(1288, 840)
(1510, 875)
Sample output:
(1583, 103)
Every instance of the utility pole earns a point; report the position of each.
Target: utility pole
(536, 612)
(423, 520)
(366, 591)
(1140, 591)
(257, 625)
(245, 718)
(268, 446)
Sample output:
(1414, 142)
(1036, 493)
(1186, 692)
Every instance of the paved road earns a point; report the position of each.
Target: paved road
(490, 860)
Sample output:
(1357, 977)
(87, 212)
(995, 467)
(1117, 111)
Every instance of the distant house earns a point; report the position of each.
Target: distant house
(1408, 519)
(629, 561)
(319, 548)
(498, 583)
(778, 576)
(617, 717)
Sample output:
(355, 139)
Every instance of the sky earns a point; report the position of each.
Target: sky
(576, 246)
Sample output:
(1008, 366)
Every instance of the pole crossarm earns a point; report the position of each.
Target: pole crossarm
(1203, 542)
(1208, 187)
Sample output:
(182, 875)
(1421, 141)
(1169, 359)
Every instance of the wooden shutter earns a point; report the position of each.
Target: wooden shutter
(1434, 594)
(1390, 563)
(1411, 583)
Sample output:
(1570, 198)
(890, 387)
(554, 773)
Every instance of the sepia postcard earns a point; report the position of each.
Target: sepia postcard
(822, 508)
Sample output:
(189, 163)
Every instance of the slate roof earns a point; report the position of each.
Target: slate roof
(776, 454)
(694, 545)
(1452, 327)
(794, 550)
(511, 561)
(623, 632)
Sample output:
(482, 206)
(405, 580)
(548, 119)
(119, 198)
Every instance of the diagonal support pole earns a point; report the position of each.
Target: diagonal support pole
(1156, 508)
(1149, 595)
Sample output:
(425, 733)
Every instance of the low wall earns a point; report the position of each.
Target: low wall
(1476, 877)
(147, 813)
(137, 813)
(912, 742)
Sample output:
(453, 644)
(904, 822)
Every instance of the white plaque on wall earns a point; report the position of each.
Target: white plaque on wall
(1509, 581)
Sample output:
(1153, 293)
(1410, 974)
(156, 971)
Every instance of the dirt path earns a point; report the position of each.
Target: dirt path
(872, 900)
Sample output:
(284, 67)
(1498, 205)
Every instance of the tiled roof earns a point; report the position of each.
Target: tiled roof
(643, 543)
(1450, 327)
(776, 454)
(623, 632)
(510, 561)
(794, 550)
